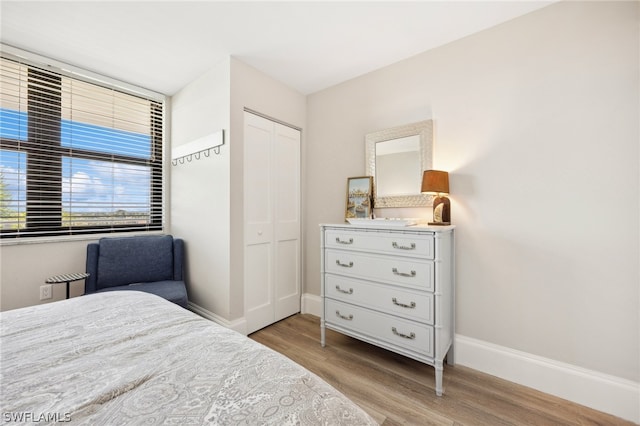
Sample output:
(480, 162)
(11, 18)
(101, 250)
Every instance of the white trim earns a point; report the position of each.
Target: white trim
(311, 304)
(593, 389)
(72, 238)
(275, 120)
(239, 325)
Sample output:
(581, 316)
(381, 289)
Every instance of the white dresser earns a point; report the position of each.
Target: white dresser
(392, 287)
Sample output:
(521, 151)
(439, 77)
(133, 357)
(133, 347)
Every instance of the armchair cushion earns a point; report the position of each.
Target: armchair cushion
(127, 260)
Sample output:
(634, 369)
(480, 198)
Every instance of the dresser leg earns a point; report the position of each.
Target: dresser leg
(439, 369)
(322, 333)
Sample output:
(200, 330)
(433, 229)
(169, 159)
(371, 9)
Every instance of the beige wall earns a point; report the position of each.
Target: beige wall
(536, 119)
(537, 122)
(24, 268)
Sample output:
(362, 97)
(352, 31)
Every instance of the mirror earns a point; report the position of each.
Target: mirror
(396, 158)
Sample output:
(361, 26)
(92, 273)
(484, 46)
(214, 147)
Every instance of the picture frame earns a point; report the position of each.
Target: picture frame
(359, 198)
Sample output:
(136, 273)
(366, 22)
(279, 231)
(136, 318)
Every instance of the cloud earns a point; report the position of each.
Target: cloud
(80, 183)
(103, 186)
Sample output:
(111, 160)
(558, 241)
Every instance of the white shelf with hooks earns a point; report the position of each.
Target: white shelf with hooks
(196, 148)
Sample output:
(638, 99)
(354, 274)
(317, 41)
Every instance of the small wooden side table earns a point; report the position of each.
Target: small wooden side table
(66, 278)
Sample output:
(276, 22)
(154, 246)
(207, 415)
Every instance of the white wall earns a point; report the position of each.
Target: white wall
(200, 189)
(537, 122)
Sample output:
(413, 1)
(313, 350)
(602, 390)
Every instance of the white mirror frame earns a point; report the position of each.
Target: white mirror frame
(422, 128)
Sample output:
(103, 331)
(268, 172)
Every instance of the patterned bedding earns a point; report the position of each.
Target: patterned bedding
(133, 358)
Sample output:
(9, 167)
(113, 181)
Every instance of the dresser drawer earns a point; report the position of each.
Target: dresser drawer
(395, 331)
(396, 243)
(411, 304)
(413, 273)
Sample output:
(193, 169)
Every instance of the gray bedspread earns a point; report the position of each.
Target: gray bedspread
(133, 358)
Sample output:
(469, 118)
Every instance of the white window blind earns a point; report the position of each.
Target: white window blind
(76, 156)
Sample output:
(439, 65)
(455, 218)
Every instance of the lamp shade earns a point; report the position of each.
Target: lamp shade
(435, 181)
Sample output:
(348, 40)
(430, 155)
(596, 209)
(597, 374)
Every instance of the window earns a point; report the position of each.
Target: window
(77, 156)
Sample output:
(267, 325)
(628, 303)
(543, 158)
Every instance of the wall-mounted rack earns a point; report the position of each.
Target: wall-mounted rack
(197, 148)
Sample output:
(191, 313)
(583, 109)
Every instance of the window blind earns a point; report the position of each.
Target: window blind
(76, 156)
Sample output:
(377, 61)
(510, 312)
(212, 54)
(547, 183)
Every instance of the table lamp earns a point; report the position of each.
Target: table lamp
(437, 182)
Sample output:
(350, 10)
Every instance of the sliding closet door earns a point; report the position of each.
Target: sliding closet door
(272, 221)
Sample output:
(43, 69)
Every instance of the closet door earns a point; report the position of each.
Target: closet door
(272, 221)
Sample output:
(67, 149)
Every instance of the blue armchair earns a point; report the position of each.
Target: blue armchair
(149, 263)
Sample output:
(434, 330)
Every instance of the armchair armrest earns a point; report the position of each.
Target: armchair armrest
(178, 259)
(91, 268)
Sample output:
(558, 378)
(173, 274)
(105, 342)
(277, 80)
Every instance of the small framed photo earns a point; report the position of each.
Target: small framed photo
(359, 197)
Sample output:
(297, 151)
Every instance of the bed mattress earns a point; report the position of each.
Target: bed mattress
(133, 358)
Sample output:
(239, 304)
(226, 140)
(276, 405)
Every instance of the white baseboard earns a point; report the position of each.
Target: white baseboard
(599, 391)
(606, 393)
(311, 304)
(239, 325)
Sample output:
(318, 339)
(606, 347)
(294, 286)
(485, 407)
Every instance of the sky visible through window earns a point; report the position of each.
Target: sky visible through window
(87, 185)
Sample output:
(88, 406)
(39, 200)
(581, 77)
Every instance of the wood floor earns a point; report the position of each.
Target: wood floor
(396, 390)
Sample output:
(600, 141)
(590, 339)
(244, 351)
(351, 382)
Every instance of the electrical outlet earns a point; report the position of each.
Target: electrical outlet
(46, 291)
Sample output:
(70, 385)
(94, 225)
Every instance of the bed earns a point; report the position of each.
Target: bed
(129, 357)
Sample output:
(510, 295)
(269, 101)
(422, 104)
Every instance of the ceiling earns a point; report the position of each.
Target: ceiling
(309, 46)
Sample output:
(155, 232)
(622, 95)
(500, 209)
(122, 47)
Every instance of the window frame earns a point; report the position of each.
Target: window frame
(157, 161)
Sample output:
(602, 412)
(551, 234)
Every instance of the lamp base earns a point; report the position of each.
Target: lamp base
(441, 211)
(439, 223)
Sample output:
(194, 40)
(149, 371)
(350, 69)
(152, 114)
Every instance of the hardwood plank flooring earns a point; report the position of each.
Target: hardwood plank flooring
(396, 390)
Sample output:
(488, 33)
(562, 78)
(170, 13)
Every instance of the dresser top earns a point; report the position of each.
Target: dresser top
(381, 225)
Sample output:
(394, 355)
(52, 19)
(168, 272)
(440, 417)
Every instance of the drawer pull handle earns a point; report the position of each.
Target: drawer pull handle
(344, 265)
(410, 336)
(339, 241)
(350, 291)
(344, 317)
(402, 274)
(404, 305)
(411, 247)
